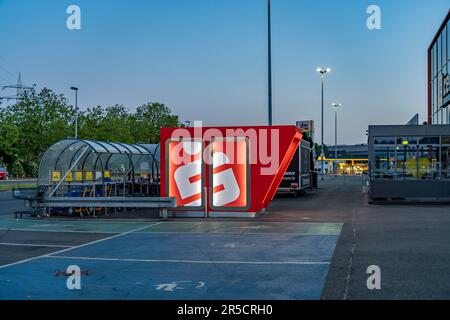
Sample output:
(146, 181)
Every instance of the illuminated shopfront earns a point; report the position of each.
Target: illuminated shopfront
(409, 161)
(351, 159)
(351, 166)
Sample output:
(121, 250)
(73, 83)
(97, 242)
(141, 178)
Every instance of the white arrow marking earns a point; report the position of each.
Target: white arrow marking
(166, 286)
(176, 285)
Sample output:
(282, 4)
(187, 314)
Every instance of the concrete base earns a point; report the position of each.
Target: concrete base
(437, 190)
(215, 214)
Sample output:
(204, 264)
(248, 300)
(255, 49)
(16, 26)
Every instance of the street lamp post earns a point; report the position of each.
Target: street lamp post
(323, 72)
(269, 63)
(335, 107)
(76, 111)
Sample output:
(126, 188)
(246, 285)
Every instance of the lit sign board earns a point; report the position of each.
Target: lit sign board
(229, 173)
(307, 127)
(225, 171)
(185, 172)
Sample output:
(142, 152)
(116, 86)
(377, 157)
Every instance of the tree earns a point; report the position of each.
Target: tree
(149, 118)
(111, 124)
(39, 119)
(35, 122)
(8, 139)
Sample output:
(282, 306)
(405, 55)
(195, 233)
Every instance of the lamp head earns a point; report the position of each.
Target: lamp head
(336, 105)
(323, 71)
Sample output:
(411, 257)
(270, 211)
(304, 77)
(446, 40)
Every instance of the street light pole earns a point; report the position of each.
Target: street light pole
(76, 111)
(323, 72)
(269, 62)
(335, 106)
(335, 134)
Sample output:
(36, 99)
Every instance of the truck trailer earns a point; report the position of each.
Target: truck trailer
(298, 175)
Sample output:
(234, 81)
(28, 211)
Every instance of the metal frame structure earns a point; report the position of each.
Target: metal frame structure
(111, 165)
(110, 148)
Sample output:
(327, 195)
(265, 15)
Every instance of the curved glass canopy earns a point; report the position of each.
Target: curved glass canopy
(98, 159)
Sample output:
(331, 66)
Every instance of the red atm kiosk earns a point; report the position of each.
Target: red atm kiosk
(224, 171)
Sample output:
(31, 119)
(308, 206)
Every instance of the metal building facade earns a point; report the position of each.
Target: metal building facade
(409, 162)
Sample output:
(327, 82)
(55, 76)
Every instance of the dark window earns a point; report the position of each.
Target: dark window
(384, 140)
(384, 163)
(428, 162)
(429, 140)
(433, 62)
(439, 53)
(445, 159)
(444, 47)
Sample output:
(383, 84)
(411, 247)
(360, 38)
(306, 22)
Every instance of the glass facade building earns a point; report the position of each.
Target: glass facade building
(411, 158)
(438, 76)
(409, 162)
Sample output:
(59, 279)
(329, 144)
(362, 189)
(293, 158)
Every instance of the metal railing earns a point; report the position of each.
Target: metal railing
(162, 203)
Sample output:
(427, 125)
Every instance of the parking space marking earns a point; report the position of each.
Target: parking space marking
(84, 226)
(138, 280)
(56, 221)
(194, 261)
(245, 227)
(256, 264)
(33, 245)
(76, 247)
(188, 247)
(59, 231)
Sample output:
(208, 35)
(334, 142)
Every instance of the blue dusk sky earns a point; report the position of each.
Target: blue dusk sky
(207, 59)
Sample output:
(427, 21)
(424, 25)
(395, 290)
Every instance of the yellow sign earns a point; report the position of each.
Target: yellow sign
(78, 176)
(56, 176)
(69, 177)
(89, 176)
(107, 174)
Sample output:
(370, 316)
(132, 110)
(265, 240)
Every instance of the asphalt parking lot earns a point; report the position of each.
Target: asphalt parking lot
(311, 247)
(409, 242)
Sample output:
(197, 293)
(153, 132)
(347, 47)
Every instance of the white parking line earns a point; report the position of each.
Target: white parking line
(33, 245)
(76, 247)
(194, 261)
(103, 221)
(60, 231)
(237, 233)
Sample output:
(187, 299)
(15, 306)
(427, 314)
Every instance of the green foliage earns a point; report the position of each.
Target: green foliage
(16, 169)
(38, 120)
(149, 118)
(106, 124)
(318, 147)
(33, 124)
